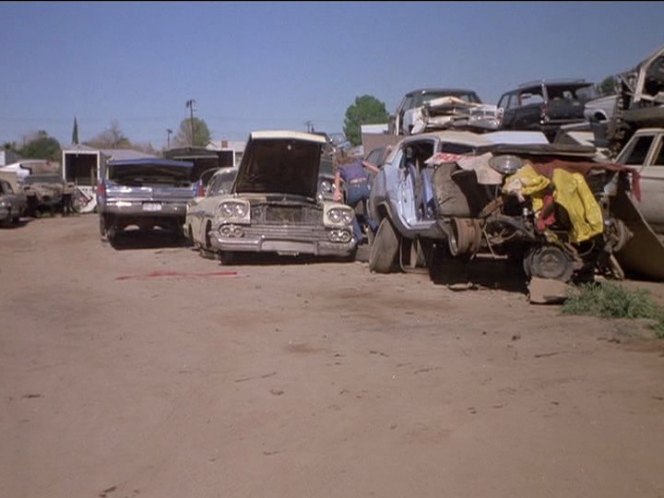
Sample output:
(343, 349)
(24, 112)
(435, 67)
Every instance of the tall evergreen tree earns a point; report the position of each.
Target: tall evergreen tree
(74, 133)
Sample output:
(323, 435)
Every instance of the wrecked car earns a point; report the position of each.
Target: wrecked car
(638, 103)
(47, 193)
(273, 206)
(429, 109)
(643, 208)
(201, 210)
(147, 193)
(500, 195)
(13, 201)
(645, 153)
(545, 105)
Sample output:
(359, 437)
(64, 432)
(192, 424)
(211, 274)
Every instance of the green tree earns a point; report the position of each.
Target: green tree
(201, 133)
(41, 146)
(607, 86)
(366, 110)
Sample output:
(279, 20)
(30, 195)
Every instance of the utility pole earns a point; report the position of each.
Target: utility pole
(190, 104)
(168, 137)
(310, 126)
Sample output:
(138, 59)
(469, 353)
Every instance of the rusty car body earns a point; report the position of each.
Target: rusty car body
(201, 209)
(499, 195)
(429, 109)
(274, 206)
(13, 201)
(47, 192)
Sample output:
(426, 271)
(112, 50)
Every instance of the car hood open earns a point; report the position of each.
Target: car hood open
(284, 162)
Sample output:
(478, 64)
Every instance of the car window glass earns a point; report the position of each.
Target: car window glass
(638, 151)
(528, 98)
(453, 148)
(3, 188)
(514, 101)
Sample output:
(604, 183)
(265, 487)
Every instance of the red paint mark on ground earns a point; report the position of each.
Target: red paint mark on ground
(159, 274)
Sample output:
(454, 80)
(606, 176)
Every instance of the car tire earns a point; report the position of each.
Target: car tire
(226, 257)
(548, 262)
(384, 249)
(112, 235)
(206, 253)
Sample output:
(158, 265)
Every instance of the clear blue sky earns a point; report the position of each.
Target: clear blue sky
(270, 65)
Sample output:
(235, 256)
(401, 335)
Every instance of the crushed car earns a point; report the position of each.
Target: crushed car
(637, 103)
(429, 109)
(274, 207)
(499, 195)
(147, 193)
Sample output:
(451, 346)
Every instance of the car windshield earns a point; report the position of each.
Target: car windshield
(221, 183)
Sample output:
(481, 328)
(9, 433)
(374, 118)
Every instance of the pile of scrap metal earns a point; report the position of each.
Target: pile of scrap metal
(47, 193)
(638, 103)
(453, 112)
(549, 205)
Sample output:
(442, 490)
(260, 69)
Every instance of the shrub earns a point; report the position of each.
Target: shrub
(608, 300)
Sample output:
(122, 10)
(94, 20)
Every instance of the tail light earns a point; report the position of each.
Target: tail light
(101, 190)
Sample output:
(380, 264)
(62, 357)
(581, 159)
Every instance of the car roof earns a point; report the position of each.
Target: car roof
(440, 90)
(553, 82)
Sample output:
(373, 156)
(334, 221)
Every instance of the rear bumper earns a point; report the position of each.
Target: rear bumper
(146, 209)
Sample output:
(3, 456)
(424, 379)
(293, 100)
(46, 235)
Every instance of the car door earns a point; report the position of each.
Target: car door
(528, 110)
(413, 181)
(652, 185)
(506, 110)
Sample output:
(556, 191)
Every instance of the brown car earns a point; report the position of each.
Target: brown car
(12, 203)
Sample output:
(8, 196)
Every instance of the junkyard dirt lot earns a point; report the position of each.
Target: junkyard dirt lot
(151, 372)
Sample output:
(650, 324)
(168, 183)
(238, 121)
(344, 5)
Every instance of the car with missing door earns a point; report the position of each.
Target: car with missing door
(274, 206)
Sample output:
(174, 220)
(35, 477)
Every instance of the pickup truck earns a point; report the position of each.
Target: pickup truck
(145, 192)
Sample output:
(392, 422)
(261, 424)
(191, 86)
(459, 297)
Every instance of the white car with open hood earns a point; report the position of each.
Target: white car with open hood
(273, 206)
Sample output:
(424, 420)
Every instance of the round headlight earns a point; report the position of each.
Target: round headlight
(335, 215)
(232, 210)
(347, 216)
(506, 164)
(326, 186)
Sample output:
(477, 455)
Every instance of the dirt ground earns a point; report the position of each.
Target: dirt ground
(149, 371)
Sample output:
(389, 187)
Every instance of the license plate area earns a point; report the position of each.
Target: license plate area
(151, 206)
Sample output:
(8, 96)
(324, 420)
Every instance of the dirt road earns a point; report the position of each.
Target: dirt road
(149, 371)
